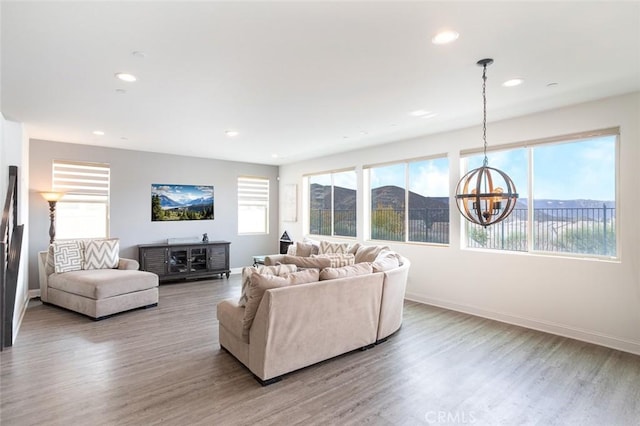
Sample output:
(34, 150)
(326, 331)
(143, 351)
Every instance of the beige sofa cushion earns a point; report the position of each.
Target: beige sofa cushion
(103, 283)
(305, 249)
(261, 283)
(230, 314)
(369, 253)
(354, 248)
(278, 270)
(346, 271)
(307, 262)
(386, 261)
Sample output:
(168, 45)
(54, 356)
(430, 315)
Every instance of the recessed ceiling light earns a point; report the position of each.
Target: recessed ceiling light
(513, 82)
(274, 155)
(444, 37)
(98, 132)
(231, 133)
(129, 78)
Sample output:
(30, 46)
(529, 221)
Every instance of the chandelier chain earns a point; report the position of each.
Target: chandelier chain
(484, 117)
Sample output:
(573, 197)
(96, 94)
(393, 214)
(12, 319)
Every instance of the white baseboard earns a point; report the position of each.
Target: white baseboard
(535, 324)
(33, 293)
(236, 271)
(23, 311)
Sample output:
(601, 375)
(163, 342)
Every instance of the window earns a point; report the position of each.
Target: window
(83, 212)
(572, 207)
(388, 198)
(332, 204)
(410, 201)
(253, 205)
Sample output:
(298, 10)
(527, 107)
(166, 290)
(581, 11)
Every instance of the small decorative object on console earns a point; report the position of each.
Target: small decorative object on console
(205, 238)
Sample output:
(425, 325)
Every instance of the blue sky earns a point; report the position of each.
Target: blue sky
(182, 193)
(426, 177)
(564, 171)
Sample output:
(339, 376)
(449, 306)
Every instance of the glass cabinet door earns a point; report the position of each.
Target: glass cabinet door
(178, 261)
(198, 259)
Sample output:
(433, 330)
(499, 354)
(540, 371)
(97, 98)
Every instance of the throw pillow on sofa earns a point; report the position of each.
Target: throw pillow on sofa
(260, 283)
(305, 249)
(337, 259)
(346, 271)
(386, 261)
(67, 256)
(101, 254)
(278, 270)
(369, 253)
(327, 247)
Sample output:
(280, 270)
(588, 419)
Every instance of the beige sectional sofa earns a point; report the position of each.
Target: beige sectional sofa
(299, 325)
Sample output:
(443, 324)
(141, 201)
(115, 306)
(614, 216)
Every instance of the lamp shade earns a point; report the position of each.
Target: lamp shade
(52, 196)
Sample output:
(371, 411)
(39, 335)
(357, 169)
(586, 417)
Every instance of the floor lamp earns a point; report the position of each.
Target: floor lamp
(52, 198)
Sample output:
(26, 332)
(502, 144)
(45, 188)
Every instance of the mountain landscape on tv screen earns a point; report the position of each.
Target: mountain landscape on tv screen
(167, 208)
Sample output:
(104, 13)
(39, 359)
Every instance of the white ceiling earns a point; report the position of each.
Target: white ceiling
(300, 79)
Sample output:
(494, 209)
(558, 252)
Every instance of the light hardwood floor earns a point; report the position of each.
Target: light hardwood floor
(164, 365)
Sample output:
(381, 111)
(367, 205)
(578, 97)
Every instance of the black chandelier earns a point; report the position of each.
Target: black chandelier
(485, 195)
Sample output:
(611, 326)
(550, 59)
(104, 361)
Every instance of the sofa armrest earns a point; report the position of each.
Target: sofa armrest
(128, 264)
(393, 290)
(273, 259)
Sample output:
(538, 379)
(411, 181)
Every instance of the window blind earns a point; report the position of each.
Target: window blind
(81, 181)
(253, 191)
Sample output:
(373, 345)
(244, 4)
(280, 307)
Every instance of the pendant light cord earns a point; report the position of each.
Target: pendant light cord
(485, 163)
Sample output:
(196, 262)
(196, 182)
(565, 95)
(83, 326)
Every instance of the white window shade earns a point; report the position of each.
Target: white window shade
(253, 205)
(83, 212)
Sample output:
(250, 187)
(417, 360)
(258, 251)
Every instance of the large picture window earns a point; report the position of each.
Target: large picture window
(83, 212)
(410, 201)
(567, 200)
(332, 204)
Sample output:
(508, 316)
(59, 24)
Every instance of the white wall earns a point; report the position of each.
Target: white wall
(15, 152)
(591, 300)
(132, 173)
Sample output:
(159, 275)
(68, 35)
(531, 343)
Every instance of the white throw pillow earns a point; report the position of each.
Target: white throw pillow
(327, 247)
(101, 254)
(337, 259)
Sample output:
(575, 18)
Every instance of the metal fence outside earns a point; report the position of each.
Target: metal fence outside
(562, 230)
(589, 230)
